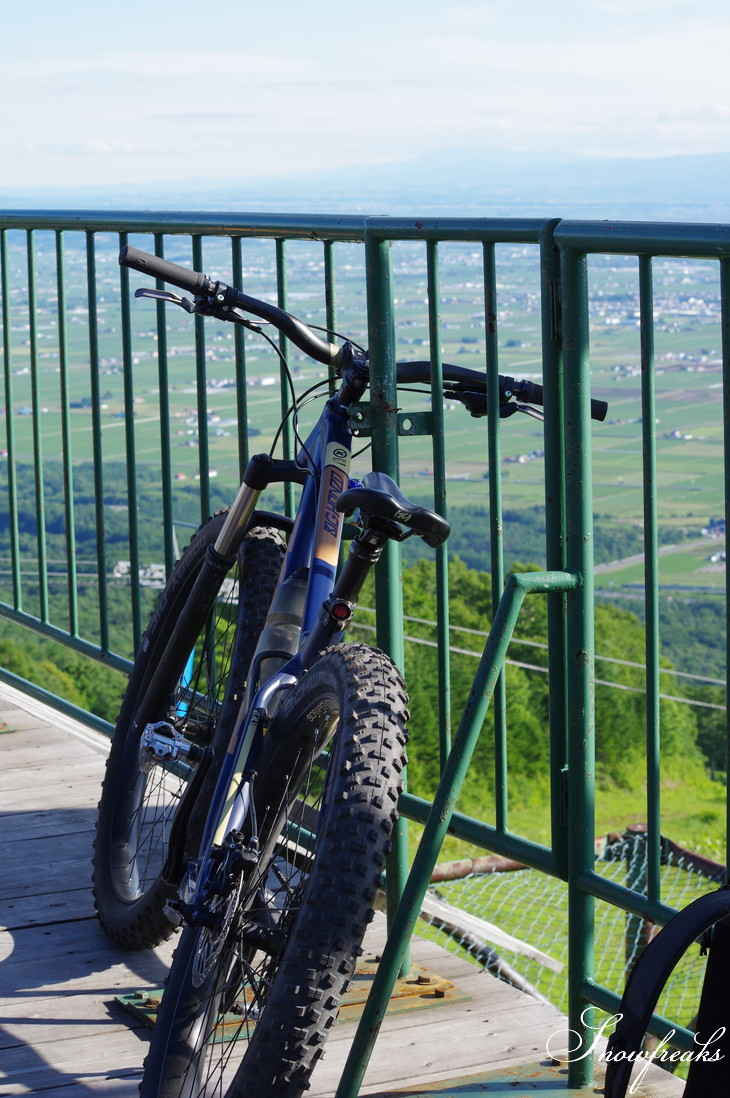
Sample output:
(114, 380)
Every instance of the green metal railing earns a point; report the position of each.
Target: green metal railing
(92, 287)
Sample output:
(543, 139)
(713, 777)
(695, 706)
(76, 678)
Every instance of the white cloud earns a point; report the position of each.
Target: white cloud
(191, 67)
(596, 76)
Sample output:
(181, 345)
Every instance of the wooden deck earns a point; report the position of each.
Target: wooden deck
(63, 1035)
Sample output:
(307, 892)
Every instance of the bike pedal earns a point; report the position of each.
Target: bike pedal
(174, 912)
(161, 742)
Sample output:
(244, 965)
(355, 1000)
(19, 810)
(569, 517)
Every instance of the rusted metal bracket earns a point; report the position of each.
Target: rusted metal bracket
(419, 990)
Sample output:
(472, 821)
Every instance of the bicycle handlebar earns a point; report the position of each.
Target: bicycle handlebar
(528, 392)
(329, 354)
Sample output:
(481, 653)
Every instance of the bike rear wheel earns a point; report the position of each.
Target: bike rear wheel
(199, 690)
(247, 1016)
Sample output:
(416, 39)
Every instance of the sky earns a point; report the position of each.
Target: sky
(144, 92)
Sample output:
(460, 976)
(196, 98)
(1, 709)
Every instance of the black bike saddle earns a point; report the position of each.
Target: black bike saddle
(380, 497)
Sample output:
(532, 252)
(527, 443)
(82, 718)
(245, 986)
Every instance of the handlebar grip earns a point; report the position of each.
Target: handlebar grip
(192, 281)
(532, 393)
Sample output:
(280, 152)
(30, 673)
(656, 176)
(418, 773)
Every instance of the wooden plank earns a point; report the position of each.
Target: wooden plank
(23, 858)
(62, 1035)
(44, 824)
(68, 786)
(99, 1053)
(25, 754)
(116, 1084)
(40, 1022)
(69, 959)
(42, 713)
(21, 720)
(65, 875)
(41, 908)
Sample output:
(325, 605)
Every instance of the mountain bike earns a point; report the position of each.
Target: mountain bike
(254, 776)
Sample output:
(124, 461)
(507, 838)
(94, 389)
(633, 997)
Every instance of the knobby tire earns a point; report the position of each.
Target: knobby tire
(139, 800)
(254, 1024)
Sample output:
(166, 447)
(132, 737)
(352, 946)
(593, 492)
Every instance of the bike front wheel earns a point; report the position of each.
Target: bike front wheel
(198, 694)
(247, 1008)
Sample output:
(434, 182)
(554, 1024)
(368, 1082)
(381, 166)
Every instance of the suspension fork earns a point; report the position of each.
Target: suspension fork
(218, 562)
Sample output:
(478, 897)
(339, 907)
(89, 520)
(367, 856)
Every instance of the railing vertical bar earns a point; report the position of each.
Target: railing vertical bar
(499, 703)
(201, 374)
(201, 380)
(388, 592)
(552, 367)
(437, 824)
(96, 443)
(129, 435)
(439, 495)
(10, 428)
(725, 307)
(239, 344)
(68, 479)
(330, 296)
(168, 530)
(287, 434)
(651, 578)
(40, 507)
(581, 675)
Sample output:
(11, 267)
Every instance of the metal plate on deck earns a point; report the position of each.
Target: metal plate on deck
(419, 990)
(545, 1080)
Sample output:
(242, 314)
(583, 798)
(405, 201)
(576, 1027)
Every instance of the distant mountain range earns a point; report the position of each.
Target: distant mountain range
(469, 183)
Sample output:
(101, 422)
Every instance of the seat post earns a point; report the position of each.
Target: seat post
(338, 609)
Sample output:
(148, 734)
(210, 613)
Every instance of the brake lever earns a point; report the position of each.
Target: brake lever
(165, 295)
(476, 405)
(206, 306)
(530, 411)
(201, 306)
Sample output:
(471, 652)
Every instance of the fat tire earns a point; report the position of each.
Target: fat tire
(130, 893)
(324, 919)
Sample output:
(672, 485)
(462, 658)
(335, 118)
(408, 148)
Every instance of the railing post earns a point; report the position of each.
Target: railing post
(131, 449)
(651, 580)
(552, 373)
(725, 306)
(580, 640)
(388, 592)
(496, 526)
(439, 817)
(12, 503)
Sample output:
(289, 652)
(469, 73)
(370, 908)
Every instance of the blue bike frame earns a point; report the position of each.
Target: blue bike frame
(314, 544)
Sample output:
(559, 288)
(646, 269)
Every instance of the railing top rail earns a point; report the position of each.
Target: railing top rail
(703, 241)
(517, 230)
(292, 226)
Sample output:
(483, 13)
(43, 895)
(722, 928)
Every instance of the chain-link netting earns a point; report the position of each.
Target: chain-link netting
(514, 922)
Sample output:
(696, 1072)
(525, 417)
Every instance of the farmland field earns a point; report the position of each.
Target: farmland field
(689, 440)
